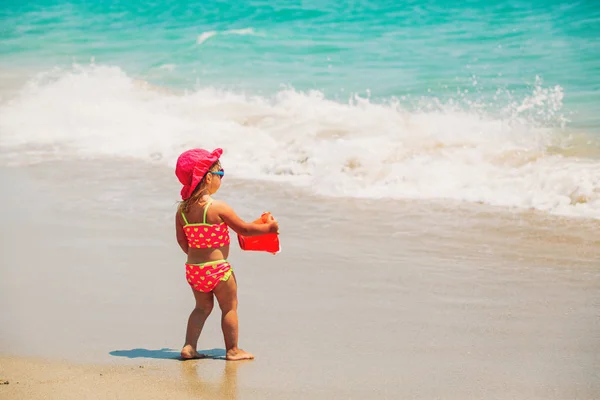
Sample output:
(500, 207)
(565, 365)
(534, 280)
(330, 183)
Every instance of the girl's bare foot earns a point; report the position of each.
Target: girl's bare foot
(238, 354)
(189, 353)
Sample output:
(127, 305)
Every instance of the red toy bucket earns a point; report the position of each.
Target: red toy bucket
(268, 242)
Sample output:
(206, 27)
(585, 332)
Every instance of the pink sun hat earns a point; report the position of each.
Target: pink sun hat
(192, 165)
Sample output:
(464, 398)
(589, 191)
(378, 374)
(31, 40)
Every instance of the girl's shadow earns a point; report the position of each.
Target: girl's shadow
(166, 354)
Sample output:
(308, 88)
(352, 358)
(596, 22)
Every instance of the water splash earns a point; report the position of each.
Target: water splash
(519, 157)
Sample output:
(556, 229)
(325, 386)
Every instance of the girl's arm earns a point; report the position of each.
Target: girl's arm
(181, 239)
(240, 226)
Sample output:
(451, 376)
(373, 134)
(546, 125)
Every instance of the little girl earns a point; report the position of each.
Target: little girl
(202, 226)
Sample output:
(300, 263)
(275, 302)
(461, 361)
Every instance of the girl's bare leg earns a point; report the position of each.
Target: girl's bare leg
(204, 305)
(226, 293)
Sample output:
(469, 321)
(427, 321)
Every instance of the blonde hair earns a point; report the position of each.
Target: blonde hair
(199, 191)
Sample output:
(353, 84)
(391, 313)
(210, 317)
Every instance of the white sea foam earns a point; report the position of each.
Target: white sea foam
(245, 31)
(168, 67)
(204, 36)
(356, 149)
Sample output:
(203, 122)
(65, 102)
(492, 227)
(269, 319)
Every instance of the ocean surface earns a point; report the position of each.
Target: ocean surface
(484, 102)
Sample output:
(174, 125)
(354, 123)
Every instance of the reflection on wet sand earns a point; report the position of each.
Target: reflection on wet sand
(202, 381)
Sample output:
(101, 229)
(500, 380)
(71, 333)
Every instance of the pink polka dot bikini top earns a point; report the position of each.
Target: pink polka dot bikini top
(206, 236)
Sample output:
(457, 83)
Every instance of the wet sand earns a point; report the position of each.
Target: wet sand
(34, 378)
(377, 299)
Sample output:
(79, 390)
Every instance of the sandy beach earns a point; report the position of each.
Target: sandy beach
(368, 299)
(434, 168)
(25, 378)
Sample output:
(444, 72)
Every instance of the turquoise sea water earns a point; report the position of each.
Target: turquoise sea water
(414, 48)
(516, 82)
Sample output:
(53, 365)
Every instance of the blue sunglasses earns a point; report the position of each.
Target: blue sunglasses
(220, 172)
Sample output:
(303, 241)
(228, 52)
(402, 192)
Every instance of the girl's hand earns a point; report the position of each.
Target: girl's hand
(274, 227)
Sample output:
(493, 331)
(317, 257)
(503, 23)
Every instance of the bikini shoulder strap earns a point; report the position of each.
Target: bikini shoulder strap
(184, 218)
(208, 203)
